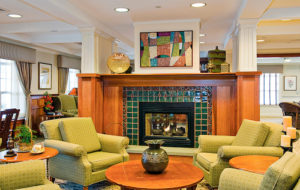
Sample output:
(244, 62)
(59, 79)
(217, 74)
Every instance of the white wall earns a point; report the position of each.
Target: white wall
(289, 69)
(45, 58)
(160, 26)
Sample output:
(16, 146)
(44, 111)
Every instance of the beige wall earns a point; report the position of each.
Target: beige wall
(45, 58)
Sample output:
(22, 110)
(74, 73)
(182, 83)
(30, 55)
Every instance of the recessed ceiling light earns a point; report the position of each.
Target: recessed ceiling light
(202, 35)
(202, 42)
(286, 19)
(197, 5)
(121, 9)
(260, 40)
(158, 6)
(14, 15)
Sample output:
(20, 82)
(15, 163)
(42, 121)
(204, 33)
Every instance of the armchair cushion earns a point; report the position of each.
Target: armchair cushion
(211, 143)
(273, 138)
(67, 102)
(80, 131)
(205, 159)
(251, 133)
(102, 160)
(283, 174)
(50, 129)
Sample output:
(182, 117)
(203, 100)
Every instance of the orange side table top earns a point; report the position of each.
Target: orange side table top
(253, 163)
(20, 157)
(132, 175)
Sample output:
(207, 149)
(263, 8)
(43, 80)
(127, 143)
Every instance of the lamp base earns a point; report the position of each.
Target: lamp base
(10, 153)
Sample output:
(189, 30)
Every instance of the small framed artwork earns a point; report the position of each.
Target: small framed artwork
(45, 76)
(290, 83)
(166, 49)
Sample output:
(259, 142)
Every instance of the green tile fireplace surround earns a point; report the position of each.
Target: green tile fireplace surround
(200, 96)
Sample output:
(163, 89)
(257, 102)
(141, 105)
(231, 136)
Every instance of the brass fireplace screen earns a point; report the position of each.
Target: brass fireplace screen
(166, 124)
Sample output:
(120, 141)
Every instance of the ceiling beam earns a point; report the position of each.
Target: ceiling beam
(278, 29)
(281, 13)
(36, 27)
(57, 37)
(66, 11)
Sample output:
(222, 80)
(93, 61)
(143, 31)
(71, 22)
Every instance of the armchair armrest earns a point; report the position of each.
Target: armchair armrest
(22, 174)
(209, 143)
(66, 147)
(233, 151)
(233, 179)
(112, 143)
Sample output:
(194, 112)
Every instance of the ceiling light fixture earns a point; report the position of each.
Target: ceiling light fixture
(202, 42)
(286, 19)
(260, 40)
(14, 15)
(197, 5)
(121, 9)
(202, 35)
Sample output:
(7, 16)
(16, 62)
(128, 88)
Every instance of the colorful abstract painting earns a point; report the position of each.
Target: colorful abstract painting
(166, 49)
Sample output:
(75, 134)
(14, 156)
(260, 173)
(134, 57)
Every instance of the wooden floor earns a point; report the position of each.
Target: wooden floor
(186, 159)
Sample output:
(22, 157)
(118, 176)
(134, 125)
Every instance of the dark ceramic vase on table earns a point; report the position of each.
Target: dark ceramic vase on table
(154, 158)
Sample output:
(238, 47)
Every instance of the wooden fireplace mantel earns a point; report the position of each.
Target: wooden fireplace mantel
(235, 97)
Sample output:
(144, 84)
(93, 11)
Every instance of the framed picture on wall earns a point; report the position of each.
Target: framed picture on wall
(290, 83)
(45, 76)
(166, 49)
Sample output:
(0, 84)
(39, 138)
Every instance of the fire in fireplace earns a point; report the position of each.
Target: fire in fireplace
(172, 122)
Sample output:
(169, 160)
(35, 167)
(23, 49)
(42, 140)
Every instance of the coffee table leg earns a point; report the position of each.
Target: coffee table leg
(192, 187)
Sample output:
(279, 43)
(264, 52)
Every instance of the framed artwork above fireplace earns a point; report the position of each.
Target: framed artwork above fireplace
(166, 49)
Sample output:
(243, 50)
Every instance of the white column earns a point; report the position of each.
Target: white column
(247, 53)
(95, 51)
(235, 56)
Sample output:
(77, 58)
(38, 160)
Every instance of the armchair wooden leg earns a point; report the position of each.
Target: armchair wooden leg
(52, 179)
(85, 188)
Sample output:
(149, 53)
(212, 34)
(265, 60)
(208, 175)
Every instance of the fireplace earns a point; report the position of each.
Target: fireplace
(172, 122)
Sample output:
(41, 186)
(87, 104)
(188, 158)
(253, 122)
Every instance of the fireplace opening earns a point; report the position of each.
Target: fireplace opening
(172, 122)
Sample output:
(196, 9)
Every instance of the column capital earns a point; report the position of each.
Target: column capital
(250, 22)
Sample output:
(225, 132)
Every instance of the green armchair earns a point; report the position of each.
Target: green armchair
(68, 105)
(253, 138)
(84, 155)
(29, 175)
(282, 175)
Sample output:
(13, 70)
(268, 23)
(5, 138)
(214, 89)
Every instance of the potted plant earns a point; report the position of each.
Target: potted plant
(47, 103)
(24, 138)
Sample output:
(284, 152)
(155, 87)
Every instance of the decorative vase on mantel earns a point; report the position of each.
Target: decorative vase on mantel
(155, 159)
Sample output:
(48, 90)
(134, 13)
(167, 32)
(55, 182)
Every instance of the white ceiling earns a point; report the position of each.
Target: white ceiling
(55, 24)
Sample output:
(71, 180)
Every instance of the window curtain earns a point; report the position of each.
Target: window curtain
(63, 74)
(24, 74)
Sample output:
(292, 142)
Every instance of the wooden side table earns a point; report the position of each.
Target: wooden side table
(253, 163)
(48, 117)
(132, 175)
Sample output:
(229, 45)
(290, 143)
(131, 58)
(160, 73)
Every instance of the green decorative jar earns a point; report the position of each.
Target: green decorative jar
(155, 159)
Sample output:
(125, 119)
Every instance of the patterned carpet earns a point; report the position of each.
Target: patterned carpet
(105, 185)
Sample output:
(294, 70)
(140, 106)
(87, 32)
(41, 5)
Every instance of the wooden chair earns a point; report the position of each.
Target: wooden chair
(7, 116)
(291, 109)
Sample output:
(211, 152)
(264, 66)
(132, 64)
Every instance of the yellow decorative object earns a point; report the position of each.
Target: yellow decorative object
(118, 63)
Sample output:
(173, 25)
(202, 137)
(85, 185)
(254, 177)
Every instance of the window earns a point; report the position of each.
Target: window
(72, 80)
(11, 92)
(269, 88)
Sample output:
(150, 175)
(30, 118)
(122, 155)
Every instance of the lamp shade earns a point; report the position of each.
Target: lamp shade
(118, 63)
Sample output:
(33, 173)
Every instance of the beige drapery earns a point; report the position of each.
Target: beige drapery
(25, 73)
(63, 74)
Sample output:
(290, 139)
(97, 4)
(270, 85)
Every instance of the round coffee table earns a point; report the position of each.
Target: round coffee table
(132, 175)
(25, 156)
(253, 163)
(20, 157)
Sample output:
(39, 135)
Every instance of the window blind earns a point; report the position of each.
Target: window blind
(17, 53)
